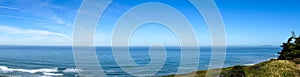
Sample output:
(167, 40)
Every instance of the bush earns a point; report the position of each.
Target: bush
(291, 49)
(296, 60)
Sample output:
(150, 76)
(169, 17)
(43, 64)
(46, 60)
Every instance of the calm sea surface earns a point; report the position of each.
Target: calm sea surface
(37, 61)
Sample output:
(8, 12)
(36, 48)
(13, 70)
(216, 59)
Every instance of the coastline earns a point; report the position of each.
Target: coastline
(268, 68)
(233, 54)
(286, 65)
(203, 72)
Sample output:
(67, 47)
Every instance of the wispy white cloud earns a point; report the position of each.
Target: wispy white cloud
(43, 10)
(55, 19)
(58, 20)
(51, 12)
(25, 18)
(13, 30)
(34, 15)
(50, 17)
(19, 36)
(11, 8)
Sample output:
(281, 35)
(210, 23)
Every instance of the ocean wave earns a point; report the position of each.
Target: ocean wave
(259, 61)
(6, 69)
(72, 70)
(44, 71)
(250, 64)
(53, 74)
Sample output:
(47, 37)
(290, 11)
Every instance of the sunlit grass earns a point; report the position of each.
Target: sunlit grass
(272, 68)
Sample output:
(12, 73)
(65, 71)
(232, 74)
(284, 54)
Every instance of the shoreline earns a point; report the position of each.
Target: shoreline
(275, 68)
(245, 65)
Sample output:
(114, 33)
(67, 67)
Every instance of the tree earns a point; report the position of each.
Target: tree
(291, 49)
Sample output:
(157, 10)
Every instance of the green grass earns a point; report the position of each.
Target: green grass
(272, 68)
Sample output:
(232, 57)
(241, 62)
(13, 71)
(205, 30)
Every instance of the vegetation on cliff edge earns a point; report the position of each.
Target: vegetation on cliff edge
(284, 66)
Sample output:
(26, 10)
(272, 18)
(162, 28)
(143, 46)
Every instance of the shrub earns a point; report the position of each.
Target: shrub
(291, 49)
(296, 60)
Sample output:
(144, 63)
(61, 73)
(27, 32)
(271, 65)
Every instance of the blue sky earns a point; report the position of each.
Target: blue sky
(50, 22)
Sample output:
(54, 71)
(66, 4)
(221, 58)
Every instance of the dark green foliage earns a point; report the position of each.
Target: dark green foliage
(286, 66)
(236, 71)
(291, 49)
(296, 60)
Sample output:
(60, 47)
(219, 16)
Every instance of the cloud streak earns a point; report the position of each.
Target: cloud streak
(25, 18)
(45, 11)
(13, 30)
(11, 8)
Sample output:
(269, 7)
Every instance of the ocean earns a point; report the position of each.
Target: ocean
(57, 61)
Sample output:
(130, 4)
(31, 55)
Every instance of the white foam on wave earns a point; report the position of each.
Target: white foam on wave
(73, 70)
(250, 64)
(44, 76)
(6, 69)
(259, 61)
(53, 74)
(45, 71)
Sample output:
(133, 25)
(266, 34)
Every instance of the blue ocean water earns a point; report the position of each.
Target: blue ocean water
(38, 61)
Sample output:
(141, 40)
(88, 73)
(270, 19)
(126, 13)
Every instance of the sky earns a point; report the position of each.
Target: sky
(50, 22)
